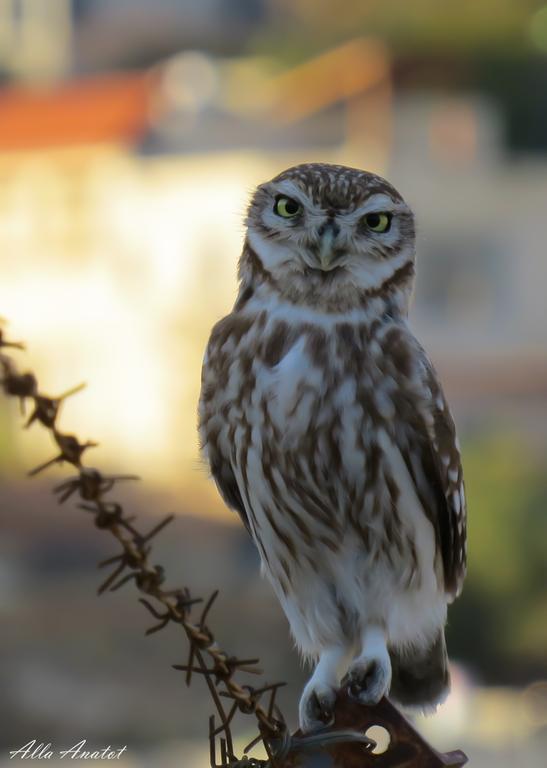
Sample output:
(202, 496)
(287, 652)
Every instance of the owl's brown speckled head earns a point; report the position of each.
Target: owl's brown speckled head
(331, 229)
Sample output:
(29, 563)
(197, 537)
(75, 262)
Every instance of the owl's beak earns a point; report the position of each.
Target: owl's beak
(328, 233)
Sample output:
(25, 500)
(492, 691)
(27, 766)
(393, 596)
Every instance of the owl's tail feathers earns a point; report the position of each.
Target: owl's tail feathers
(420, 678)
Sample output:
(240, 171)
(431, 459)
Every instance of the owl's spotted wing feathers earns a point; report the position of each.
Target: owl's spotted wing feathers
(447, 476)
(227, 485)
(433, 460)
(215, 372)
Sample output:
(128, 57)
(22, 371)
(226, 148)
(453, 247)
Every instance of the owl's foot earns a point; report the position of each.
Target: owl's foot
(316, 709)
(368, 679)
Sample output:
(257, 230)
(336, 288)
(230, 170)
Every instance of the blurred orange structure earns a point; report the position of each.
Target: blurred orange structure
(95, 110)
(342, 73)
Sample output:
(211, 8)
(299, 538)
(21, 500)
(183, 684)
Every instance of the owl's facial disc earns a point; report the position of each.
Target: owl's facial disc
(325, 235)
(330, 228)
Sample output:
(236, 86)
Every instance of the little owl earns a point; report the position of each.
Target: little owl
(325, 427)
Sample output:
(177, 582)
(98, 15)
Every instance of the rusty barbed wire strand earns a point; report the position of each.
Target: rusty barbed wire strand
(132, 563)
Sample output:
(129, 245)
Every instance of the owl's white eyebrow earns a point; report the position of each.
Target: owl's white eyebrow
(287, 187)
(381, 202)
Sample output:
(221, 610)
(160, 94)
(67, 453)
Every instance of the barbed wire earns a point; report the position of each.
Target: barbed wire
(133, 563)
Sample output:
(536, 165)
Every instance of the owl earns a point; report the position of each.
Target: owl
(325, 427)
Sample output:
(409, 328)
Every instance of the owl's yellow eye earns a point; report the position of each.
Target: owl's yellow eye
(378, 222)
(286, 207)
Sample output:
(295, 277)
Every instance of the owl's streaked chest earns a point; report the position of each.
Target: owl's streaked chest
(308, 379)
(294, 391)
(301, 413)
(305, 384)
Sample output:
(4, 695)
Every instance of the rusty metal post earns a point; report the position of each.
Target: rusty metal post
(406, 749)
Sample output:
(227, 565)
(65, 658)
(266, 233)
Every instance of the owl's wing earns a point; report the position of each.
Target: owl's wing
(434, 462)
(227, 486)
(217, 453)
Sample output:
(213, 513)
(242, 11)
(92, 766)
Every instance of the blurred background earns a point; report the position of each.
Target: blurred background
(131, 134)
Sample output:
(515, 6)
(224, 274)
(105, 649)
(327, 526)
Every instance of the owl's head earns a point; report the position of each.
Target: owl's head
(329, 236)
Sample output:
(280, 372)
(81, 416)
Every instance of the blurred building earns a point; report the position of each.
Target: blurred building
(46, 40)
(35, 39)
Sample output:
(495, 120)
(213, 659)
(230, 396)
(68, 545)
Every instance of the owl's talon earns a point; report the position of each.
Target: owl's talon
(368, 680)
(317, 708)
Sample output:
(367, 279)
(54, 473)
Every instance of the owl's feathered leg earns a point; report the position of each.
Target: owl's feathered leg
(317, 701)
(369, 675)
(421, 678)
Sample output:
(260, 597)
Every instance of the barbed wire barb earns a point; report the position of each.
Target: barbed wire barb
(46, 409)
